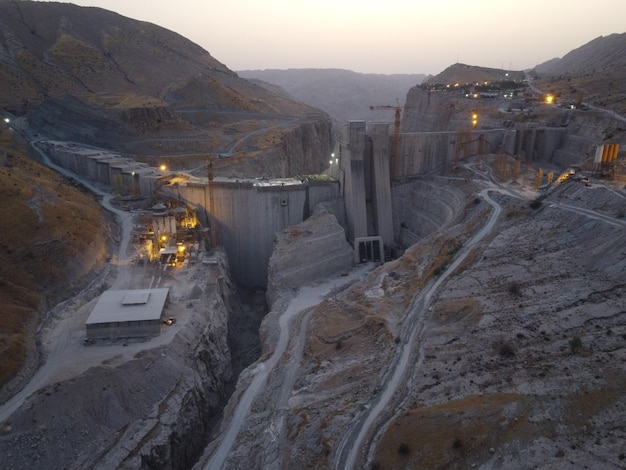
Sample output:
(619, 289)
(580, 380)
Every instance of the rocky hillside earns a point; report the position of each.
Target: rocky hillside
(343, 94)
(54, 239)
(307, 253)
(604, 89)
(463, 73)
(92, 75)
(511, 338)
(604, 52)
(50, 49)
(593, 75)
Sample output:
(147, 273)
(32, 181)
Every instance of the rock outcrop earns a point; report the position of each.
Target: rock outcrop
(428, 112)
(301, 148)
(306, 253)
(514, 361)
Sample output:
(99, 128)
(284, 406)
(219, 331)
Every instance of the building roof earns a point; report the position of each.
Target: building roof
(128, 305)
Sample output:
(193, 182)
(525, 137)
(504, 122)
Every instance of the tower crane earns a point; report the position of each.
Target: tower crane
(396, 135)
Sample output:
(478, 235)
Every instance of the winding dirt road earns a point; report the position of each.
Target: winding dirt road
(64, 354)
(351, 448)
(304, 299)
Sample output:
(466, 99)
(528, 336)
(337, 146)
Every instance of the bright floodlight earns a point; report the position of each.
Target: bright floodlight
(6, 120)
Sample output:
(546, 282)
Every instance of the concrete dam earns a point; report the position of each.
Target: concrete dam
(380, 209)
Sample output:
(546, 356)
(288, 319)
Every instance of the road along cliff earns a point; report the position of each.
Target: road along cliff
(511, 357)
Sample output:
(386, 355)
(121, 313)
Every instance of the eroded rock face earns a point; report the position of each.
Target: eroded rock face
(515, 360)
(155, 410)
(421, 207)
(307, 252)
(523, 344)
(428, 112)
(300, 148)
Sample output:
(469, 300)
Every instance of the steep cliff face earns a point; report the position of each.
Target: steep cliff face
(154, 410)
(440, 111)
(309, 146)
(300, 148)
(427, 112)
(436, 111)
(306, 253)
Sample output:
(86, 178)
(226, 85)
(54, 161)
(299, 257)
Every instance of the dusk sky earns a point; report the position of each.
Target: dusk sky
(392, 36)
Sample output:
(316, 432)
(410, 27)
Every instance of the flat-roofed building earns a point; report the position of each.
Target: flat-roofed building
(127, 313)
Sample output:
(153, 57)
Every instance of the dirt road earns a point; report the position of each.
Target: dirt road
(304, 299)
(350, 448)
(64, 352)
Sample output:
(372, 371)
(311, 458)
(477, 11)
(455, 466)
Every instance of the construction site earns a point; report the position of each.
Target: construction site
(309, 268)
(396, 263)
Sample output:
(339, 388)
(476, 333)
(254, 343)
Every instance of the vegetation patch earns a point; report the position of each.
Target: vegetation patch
(53, 233)
(456, 310)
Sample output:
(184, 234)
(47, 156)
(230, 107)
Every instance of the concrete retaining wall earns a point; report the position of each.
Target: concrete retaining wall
(248, 216)
(124, 175)
(428, 151)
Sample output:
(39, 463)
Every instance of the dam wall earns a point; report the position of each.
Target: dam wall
(422, 152)
(244, 215)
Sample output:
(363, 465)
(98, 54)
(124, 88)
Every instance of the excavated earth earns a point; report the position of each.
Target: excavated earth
(518, 361)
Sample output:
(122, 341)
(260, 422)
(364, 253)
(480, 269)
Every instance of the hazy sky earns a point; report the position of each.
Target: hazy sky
(384, 36)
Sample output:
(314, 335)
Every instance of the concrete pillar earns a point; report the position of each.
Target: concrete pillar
(354, 189)
(508, 142)
(530, 138)
(379, 133)
(548, 140)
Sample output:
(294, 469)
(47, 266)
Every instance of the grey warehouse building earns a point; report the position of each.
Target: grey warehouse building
(127, 313)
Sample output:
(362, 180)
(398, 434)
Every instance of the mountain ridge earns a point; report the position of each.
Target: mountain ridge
(344, 94)
(603, 52)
